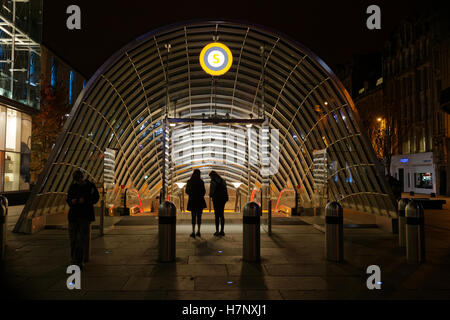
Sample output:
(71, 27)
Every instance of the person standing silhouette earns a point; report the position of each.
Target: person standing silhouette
(195, 188)
(219, 194)
(81, 197)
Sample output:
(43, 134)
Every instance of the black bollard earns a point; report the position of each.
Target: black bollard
(401, 222)
(415, 233)
(167, 223)
(334, 232)
(251, 244)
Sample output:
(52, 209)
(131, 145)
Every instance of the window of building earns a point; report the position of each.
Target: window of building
(54, 73)
(71, 85)
(2, 166)
(423, 180)
(25, 145)
(2, 127)
(24, 181)
(33, 73)
(12, 171)
(13, 126)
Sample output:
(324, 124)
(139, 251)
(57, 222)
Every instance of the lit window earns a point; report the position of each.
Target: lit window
(1, 50)
(54, 73)
(33, 70)
(13, 126)
(71, 83)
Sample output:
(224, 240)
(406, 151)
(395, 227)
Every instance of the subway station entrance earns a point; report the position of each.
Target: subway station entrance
(246, 101)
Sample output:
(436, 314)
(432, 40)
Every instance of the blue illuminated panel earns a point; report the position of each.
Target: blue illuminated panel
(54, 73)
(404, 160)
(71, 83)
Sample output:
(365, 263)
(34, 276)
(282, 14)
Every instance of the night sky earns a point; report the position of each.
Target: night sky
(335, 30)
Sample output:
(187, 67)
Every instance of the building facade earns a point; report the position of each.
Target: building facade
(402, 97)
(26, 68)
(413, 76)
(20, 77)
(59, 75)
(363, 79)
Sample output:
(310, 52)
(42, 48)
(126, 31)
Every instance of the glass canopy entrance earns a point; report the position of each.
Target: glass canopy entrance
(165, 106)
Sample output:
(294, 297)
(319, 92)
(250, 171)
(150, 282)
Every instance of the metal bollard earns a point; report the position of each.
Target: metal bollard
(251, 244)
(334, 232)
(167, 232)
(415, 233)
(3, 226)
(401, 222)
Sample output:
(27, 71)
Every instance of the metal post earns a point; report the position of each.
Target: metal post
(163, 190)
(415, 233)
(248, 165)
(163, 187)
(295, 209)
(251, 244)
(401, 222)
(236, 200)
(334, 232)
(262, 81)
(269, 216)
(171, 165)
(13, 49)
(167, 221)
(102, 210)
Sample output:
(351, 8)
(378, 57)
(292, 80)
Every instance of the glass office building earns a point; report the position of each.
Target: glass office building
(20, 86)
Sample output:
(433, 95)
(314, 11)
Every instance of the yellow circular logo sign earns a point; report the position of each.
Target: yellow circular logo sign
(216, 59)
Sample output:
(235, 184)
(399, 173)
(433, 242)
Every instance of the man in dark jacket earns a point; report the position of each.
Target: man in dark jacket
(219, 194)
(81, 197)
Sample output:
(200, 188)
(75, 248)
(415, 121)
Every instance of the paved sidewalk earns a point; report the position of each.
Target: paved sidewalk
(124, 265)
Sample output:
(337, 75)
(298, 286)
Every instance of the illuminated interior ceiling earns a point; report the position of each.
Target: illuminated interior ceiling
(124, 104)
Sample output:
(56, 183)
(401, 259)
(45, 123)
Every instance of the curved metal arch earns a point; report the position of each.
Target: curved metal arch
(128, 91)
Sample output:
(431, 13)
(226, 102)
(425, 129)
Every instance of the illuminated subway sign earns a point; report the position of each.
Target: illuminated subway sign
(216, 59)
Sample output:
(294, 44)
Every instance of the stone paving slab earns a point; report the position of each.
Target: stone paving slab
(159, 283)
(124, 265)
(189, 270)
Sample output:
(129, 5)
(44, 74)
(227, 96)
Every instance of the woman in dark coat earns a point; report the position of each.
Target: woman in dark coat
(195, 188)
(219, 194)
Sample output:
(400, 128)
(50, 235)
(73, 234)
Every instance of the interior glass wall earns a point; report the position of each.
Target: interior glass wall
(15, 149)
